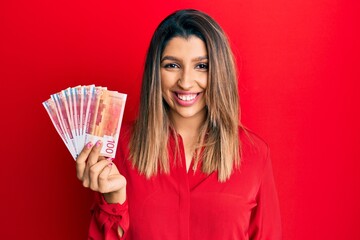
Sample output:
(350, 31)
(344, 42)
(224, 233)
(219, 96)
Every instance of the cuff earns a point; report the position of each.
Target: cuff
(115, 209)
(109, 216)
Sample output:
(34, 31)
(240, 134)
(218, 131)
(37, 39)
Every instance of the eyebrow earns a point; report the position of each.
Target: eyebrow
(176, 59)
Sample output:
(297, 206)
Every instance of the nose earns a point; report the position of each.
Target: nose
(186, 79)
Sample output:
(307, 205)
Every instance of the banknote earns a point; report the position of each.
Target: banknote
(62, 109)
(85, 114)
(106, 121)
(50, 107)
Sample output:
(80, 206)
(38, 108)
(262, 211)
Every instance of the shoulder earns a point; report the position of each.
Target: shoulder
(250, 141)
(254, 149)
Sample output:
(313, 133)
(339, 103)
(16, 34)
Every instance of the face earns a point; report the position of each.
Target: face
(184, 74)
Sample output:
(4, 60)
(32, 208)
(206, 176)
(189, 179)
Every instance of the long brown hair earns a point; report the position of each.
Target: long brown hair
(219, 135)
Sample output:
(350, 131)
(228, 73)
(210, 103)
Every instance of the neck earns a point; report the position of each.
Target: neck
(187, 127)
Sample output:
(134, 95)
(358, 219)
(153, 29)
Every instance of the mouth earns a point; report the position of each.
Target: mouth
(186, 99)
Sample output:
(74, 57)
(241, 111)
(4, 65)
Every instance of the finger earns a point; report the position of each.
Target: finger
(81, 160)
(94, 173)
(94, 153)
(92, 159)
(103, 180)
(110, 180)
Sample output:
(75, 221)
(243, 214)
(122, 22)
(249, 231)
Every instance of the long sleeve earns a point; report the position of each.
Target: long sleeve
(106, 218)
(265, 223)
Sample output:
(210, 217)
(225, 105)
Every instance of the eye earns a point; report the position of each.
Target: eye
(202, 66)
(171, 65)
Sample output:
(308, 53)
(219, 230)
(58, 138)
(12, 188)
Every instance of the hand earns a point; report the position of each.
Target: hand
(100, 174)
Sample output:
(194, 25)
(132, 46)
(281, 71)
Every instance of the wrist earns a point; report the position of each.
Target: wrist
(115, 197)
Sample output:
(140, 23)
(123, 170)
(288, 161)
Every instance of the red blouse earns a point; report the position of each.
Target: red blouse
(193, 205)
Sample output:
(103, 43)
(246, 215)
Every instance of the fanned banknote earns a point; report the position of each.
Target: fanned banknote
(85, 114)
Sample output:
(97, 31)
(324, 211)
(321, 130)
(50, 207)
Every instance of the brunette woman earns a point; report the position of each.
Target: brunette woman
(186, 169)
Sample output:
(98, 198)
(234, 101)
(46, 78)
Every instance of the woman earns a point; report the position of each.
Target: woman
(185, 169)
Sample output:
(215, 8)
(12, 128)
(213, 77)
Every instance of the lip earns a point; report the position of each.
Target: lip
(185, 103)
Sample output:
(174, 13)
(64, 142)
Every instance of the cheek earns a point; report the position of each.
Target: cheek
(164, 81)
(168, 81)
(164, 89)
(203, 82)
(169, 78)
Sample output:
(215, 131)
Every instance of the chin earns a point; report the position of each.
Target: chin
(189, 114)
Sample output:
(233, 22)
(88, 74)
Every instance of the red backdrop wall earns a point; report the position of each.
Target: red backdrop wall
(299, 86)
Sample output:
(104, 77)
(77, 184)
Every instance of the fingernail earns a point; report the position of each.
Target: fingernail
(89, 145)
(98, 143)
(110, 164)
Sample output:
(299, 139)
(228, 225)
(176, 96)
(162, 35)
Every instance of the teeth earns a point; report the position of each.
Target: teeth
(187, 97)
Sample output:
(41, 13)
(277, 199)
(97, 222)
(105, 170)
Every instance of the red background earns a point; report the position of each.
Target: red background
(299, 86)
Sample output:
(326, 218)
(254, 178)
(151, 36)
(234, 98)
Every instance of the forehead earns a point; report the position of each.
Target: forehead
(180, 46)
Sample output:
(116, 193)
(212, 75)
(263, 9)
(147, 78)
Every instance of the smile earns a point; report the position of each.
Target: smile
(186, 99)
